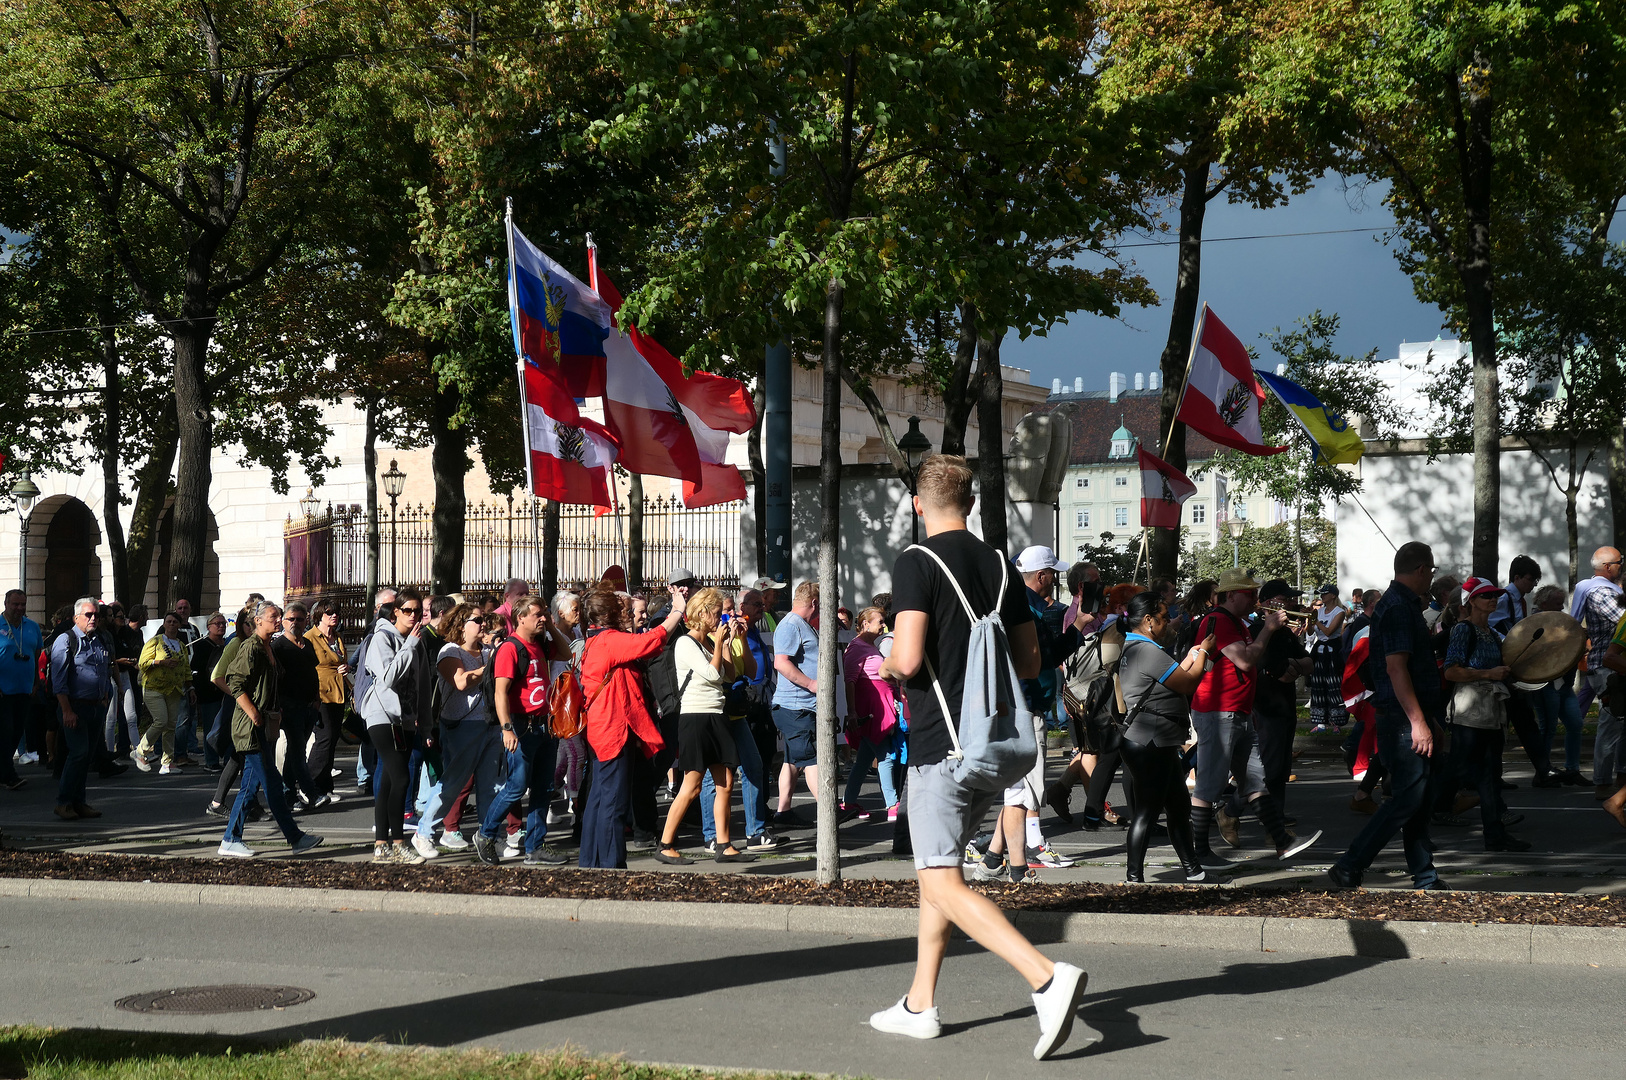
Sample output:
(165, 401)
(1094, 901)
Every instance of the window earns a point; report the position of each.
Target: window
(1120, 481)
(1120, 515)
(1082, 520)
(1199, 513)
(1082, 483)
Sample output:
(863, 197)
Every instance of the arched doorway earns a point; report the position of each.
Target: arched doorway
(158, 587)
(72, 568)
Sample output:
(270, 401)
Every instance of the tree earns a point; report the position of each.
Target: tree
(1227, 90)
(1277, 551)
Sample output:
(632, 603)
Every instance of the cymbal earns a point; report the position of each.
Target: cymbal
(1543, 647)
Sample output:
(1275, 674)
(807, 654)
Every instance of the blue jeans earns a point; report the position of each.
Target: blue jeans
(217, 718)
(70, 789)
(1555, 703)
(260, 773)
(186, 726)
(884, 755)
(529, 768)
(1405, 812)
(472, 748)
(750, 784)
(609, 797)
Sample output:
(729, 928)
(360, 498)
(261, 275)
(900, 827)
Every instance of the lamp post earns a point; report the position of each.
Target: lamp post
(394, 482)
(310, 504)
(1236, 527)
(914, 446)
(23, 493)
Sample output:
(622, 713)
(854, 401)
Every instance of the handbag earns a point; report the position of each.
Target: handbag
(1478, 705)
(1104, 726)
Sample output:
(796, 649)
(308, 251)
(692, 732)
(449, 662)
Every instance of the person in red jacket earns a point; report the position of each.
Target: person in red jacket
(618, 721)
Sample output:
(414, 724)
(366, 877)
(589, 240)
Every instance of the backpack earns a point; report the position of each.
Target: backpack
(363, 681)
(662, 675)
(994, 742)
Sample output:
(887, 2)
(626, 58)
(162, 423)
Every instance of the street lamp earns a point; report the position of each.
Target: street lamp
(23, 493)
(914, 447)
(394, 482)
(310, 504)
(1236, 527)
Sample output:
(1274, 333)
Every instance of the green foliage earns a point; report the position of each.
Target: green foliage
(1116, 562)
(1268, 553)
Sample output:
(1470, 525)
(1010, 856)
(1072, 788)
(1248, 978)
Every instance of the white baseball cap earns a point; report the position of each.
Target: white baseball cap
(1037, 558)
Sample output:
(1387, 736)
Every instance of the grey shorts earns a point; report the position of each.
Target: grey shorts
(943, 814)
(1028, 792)
(1226, 747)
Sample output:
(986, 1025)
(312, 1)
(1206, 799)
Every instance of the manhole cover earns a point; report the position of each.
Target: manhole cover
(215, 999)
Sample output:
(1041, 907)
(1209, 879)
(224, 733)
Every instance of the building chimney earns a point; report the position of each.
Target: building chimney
(1140, 380)
(1055, 386)
(1078, 384)
(1116, 383)
(1154, 380)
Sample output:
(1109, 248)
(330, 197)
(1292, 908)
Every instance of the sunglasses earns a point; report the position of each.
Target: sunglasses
(414, 612)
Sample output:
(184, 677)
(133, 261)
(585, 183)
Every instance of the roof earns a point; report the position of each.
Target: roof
(1094, 419)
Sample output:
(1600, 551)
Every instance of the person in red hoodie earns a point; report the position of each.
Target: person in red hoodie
(618, 721)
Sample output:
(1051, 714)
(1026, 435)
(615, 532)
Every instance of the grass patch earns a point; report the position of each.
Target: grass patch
(37, 1053)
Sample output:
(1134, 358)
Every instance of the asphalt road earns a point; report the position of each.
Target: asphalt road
(800, 1002)
(1577, 847)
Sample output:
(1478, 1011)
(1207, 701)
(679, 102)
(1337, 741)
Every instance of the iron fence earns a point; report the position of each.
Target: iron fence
(325, 555)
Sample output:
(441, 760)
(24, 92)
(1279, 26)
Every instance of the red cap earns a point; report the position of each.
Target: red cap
(1478, 586)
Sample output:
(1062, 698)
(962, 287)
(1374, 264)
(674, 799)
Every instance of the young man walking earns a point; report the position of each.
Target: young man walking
(931, 628)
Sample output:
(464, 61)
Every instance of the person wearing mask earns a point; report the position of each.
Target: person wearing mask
(251, 680)
(1158, 691)
(202, 658)
(705, 669)
(389, 707)
(1405, 699)
(468, 744)
(619, 726)
(81, 667)
(300, 688)
(165, 679)
(331, 694)
(20, 645)
(1477, 708)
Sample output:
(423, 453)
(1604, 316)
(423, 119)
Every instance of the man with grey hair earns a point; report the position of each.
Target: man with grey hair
(1597, 605)
(81, 667)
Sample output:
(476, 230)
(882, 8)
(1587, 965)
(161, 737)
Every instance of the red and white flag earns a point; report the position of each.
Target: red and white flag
(1221, 398)
(1163, 489)
(669, 424)
(568, 457)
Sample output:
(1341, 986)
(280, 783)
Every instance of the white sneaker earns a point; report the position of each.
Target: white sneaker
(235, 848)
(29, 758)
(454, 841)
(1047, 856)
(898, 1020)
(1056, 1008)
(424, 846)
(166, 770)
(513, 849)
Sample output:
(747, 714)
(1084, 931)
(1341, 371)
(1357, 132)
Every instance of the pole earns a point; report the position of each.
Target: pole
(1196, 339)
(776, 436)
(22, 562)
(1236, 556)
(394, 578)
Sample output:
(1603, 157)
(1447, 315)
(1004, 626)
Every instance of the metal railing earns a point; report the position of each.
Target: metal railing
(325, 555)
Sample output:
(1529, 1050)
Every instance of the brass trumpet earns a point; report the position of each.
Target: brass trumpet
(1297, 618)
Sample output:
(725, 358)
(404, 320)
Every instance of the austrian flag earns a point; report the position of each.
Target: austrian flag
(1163, 489)
(1221, 398)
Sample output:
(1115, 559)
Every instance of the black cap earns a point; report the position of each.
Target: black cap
(1275, 587)
(1323, 590)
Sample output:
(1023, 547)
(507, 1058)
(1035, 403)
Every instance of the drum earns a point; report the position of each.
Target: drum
(1543, 647)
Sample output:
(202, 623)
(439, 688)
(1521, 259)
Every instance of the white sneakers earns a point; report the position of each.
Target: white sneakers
(236, 849)
(454, 841)
(1056, 1007)
(424, 846)
(898, 1020)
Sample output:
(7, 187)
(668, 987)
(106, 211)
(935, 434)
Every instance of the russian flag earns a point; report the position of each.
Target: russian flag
(559, 323)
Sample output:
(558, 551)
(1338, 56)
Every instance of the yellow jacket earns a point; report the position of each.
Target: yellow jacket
(168, 681)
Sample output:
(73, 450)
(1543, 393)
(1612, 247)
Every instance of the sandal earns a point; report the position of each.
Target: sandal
(675, 859)
(734, 855)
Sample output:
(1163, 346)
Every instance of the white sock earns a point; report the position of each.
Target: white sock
(1035, 837)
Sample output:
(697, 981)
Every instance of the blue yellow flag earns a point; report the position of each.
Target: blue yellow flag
(1334, 439)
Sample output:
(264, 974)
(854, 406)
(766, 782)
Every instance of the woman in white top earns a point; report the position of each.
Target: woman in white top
(705, 670)
(1327, 712)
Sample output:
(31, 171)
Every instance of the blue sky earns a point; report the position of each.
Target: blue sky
(1255, 285)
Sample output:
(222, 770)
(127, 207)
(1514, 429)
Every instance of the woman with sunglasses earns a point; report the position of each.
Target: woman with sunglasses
(468, 744)
(390, 710)
(332, 694)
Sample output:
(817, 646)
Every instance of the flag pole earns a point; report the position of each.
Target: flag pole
(1196, 339)
(519, 354)
(615, 492)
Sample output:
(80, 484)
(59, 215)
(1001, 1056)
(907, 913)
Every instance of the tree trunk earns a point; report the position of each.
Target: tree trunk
(1476, 163)
(550, 549)
(991, 440)
(112, 467)
(1617, 479)
(369, 464)
(1571, 490)
(829, 855)
(958, 395)
(1165, 546)
(759, 471)
(865, 393)
(189, 533)
(152, 490)
(635, 529)
(451, 464)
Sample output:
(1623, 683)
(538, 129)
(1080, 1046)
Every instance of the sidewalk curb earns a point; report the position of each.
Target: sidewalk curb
(1599, 946)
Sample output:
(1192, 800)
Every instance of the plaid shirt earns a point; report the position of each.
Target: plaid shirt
(1601, 614)
(1398, 627)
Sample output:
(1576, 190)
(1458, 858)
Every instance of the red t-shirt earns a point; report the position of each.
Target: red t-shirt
(527, 665)
(1226, 688)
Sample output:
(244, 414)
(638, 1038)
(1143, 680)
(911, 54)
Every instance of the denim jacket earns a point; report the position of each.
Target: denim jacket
(84, 677)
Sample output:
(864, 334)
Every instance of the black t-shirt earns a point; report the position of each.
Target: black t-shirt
(204, 655)
(1272, 697)
(299, 681)
(918, 584)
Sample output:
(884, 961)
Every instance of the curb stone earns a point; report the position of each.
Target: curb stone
(1600, 946)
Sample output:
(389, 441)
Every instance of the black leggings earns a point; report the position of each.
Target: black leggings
(389, 786)
(1160, 788)
(231, 767)
(330, 716)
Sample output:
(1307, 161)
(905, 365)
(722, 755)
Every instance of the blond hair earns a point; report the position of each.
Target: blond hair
(703, 604)
(944, 483)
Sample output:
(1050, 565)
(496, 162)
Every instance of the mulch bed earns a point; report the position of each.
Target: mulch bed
(1468, 907)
